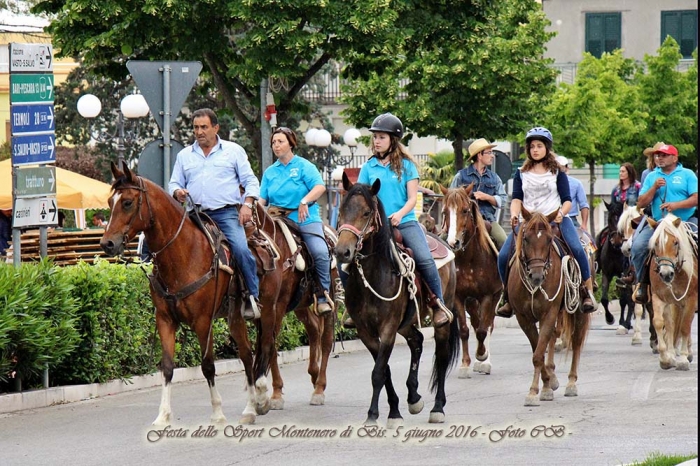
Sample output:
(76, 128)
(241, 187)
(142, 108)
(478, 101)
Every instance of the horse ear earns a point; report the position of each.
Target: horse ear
(676, 221)
(444, 190)
(469, 189)
(552, 216)
(347, 184)
(376, 186)
(525, 213)
(127, 172)
(116, 172)
(652, 223)
(607, 206)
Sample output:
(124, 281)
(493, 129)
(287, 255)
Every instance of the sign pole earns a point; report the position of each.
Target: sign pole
(166, 125)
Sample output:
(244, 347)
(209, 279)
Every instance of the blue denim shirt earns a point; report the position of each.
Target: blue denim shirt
(488, 183)
(630, 196)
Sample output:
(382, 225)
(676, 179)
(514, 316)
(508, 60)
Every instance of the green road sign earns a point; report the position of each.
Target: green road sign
(35, 181)
(26, 88)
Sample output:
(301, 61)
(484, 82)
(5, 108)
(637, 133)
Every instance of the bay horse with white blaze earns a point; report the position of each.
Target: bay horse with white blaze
(380, 299)
(189, 287)
(673, 274)
(478, 287)
(537, 287)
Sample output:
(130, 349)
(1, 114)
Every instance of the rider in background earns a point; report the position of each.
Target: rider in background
(579, 203)
(670, 188)
(398, 172)
(294, 184)
(540, 186)
(488, 189)
(215, 172)
(628, 188)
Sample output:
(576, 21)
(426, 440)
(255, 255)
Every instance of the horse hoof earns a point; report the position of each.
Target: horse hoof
(654, 350)
(485, 368)
(683, 366)
(636, 341)
(547, 395)
(370, 422)
(162, 421)
(558, 346)
(531, 400)
(277, 404)
(571, 390)
(247, 419)
(393, 423)
(416, 407)
(436, 417)
(221, 419)
(318, 399)
(666, 365)
(609, 318)
(477, 366)
(690, 358)
(554, 383)
(621, 330)
(464, 373)
(262, 409)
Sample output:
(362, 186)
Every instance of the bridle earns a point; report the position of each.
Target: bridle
(151, 221)
(546, 262)
(374, 223)
(470, 215)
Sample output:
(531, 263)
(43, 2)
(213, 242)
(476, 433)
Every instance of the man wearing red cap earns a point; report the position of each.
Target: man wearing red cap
(669, 188)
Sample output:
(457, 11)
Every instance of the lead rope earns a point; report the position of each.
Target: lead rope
(571, 280)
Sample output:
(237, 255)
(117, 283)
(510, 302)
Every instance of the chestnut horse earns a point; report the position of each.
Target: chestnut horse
(537, 287)
(379, 296)
(629, 219)
(673, 274)
(189, 287)
(478, 287)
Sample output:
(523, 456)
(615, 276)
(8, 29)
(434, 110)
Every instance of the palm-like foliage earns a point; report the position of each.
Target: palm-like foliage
(438, 170)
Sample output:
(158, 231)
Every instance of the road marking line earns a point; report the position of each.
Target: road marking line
(642, 386)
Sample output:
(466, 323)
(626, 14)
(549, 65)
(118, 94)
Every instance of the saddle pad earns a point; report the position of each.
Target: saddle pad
(437, 249)
(299, 263)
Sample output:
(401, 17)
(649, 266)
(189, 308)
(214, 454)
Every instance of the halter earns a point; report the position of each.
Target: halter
(369, 228)
(464, 232)
(546, 263)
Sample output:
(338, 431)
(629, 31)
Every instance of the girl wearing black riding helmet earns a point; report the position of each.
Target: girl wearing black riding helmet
(540, 186)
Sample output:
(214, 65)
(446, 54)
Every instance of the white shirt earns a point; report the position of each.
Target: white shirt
(540, 192)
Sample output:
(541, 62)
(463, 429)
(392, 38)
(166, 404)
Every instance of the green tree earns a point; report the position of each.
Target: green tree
(239, 43)
(598, 119)
(438, 170)
(670, 97)
(464, 70)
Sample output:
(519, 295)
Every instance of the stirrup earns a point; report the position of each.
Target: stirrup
(505, 311)
(440, 309)
(251, 308)
(641, 296)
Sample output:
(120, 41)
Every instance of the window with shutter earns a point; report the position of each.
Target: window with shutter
(682, 25)
(603, 33)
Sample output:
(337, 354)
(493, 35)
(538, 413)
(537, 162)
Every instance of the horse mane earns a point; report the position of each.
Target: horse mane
(615, 210)
(122, 182)
(459, 196)
(536, 219)
(686, 248)
(623, 224)
(384, 235)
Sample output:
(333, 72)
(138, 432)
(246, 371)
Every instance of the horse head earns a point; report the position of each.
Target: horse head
(672, 248)
(461, 218)
(533, 246)
(361, 215)
(626, 224)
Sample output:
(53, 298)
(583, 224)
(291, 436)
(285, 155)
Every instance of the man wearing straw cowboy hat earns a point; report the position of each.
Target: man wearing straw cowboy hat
(488, 187)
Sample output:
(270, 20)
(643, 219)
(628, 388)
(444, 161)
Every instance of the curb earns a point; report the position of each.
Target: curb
(41, 398)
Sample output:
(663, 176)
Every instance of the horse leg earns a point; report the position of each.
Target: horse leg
(239, 333)
(166, 330)
(446, 348)
(663, 328)
(465, 370)
(276, 400)
(549, 364)
(414, 338)
(547, 339)
(653, 336)
(609, 318)
(559, 344)
(623, 325)
(312, 327)
(485, 308)
(579, 330)
(686, 314)
(381, 374)
(471, 307)
(206, 345)
(529, 327)
(637, 337)
(326, 346)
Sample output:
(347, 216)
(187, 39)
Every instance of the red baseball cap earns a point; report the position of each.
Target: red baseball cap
(667, 149)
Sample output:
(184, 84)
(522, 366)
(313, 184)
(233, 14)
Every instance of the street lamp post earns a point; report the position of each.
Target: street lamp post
(131, 106)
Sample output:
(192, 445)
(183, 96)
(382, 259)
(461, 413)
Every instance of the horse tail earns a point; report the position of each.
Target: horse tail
(575, 328)
(261, 361)
(443, 364)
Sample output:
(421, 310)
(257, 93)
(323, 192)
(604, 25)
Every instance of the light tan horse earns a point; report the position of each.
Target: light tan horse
(673, 275)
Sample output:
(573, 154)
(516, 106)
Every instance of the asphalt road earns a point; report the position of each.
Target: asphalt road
(627, 408)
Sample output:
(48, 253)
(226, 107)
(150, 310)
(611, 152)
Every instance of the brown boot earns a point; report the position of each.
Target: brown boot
(441, 314)
(505, 311)
(589, 304)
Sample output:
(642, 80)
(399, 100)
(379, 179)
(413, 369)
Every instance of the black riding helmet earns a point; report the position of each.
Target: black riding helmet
(387, 123)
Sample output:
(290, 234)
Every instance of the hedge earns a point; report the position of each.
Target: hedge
(93, 323)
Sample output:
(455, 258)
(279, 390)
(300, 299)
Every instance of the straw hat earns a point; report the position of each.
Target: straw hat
(479, 145)
(649, 151)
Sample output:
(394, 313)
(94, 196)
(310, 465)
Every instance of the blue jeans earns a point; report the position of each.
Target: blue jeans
(414, 238)
(227, 220)
(313, 236)
(640, 244)
(570, 235)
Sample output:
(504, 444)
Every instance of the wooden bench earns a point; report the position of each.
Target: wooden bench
(69, 247)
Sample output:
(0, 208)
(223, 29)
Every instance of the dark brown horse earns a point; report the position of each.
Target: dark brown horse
(189, 287)
(537, 285)
(379, 299)
(478, 284)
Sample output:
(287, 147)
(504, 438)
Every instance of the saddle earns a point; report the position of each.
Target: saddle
(217, 240)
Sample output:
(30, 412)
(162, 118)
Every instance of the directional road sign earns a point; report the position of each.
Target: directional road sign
(32, 118)
(36, 181)
(33, 149)
(35, 88)
(41, 212)
(30, 57)
(148, 76)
